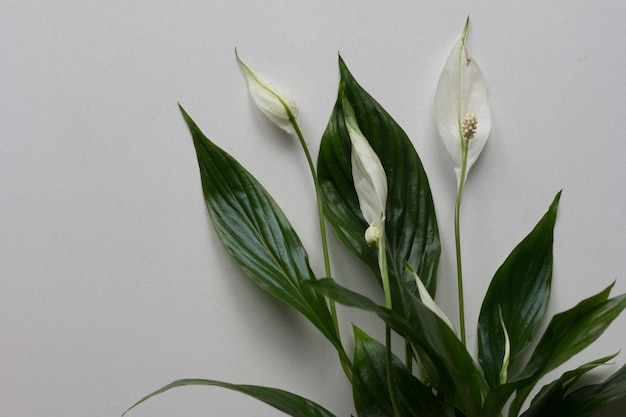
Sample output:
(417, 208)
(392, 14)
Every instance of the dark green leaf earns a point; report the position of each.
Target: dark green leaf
(550, 400)
(287, 402)
(520, 288)
(497, 398)
(456, 368)
(446, 349)
(411, 225)
(549, 403)
(371, 394)
(588, 400)
(567, 334)
(369, 383)
(256, 233)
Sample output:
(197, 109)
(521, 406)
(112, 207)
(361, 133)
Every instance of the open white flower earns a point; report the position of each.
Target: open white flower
(274, 103)
(461, 107)
(370, 180)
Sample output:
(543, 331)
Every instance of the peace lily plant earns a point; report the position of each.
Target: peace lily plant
(373, 191)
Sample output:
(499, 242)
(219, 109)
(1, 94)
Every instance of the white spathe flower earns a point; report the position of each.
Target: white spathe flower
(427, 300)
(461, 107)
(507, 350)
(368, 174)
(274, 103)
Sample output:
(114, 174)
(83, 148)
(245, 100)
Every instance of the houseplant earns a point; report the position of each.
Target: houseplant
(373, 191)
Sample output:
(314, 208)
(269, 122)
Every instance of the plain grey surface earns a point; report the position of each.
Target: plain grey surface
(112, 282)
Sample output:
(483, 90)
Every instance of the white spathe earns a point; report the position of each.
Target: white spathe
(507, 350)
(273, 102)
(462, 91)
(368, 174)
(428, 301)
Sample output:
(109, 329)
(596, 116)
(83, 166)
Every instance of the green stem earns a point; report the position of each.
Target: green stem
(345, 361)
(382, 264)
(384, 273)
(457, 238)
(459, 196)
(318, 195)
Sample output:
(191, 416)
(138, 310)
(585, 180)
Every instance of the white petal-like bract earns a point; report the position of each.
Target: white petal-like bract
(428, 301)
(462, 92)
(370, 180)
(274, 103)
(507, 350)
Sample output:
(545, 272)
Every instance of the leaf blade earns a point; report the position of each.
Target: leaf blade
(256, 233)
(586, 401)
(371, 395)
(285, 401)
(520, 289)
(550, 399)
(567, 333)
(456, 368)
(411, 225)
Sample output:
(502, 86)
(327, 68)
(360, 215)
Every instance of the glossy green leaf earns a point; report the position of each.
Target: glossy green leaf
(371, 394)
(586, 401)
(550, 399)
(520, 289)
(287, 402)
(256, 233)
(549, 403)
(411, 225)
(567, 334)
(433, 337)
(369, 383)
(446, 348)
(497, 398)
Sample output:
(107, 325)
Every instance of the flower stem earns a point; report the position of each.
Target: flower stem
(345, 361)
(384, 273)
(457, 238)
(459, 196)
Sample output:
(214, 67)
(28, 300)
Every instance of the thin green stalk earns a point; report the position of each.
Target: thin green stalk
(382, 264)
(344, 359)
(457, 238)
(459, 196)
(318, 195)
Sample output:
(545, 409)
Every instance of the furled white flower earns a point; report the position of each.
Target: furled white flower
(462, 108)
(370, 180)
(427, 300)
(507, 350)
(271, 100)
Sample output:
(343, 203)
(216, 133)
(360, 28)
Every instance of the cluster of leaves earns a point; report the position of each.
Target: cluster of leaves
(439, 378)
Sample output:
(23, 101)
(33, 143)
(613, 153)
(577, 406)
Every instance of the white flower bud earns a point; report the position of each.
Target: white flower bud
(372, 234)
(370, 180)
(275, 104)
